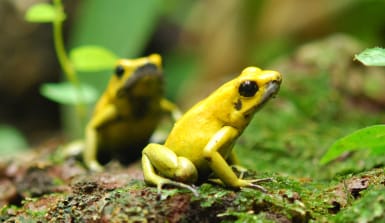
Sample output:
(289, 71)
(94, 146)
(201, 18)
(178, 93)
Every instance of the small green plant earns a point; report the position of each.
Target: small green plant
(372, 137)
(84, 58)
(372, 57)
(11, 141)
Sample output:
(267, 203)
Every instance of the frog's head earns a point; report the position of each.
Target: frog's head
(140, 77)
(255, 88)
(247, 93)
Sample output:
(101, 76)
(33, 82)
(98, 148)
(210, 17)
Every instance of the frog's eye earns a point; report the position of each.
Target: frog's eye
(119, 70)
(248, 88)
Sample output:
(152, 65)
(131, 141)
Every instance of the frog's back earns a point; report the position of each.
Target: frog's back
(192, 132)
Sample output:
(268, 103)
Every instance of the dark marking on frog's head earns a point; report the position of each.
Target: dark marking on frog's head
(238, 104)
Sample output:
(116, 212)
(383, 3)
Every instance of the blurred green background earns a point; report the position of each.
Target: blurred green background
(203, 43)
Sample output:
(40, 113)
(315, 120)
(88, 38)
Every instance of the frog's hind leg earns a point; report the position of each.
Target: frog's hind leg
(158, 159)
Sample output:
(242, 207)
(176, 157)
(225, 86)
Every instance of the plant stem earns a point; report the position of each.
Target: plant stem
(64, 61)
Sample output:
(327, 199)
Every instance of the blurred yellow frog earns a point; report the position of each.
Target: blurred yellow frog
(199, 146)
(127, 113)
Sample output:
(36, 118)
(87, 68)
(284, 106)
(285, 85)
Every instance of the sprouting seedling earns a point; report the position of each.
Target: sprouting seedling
(84, 58)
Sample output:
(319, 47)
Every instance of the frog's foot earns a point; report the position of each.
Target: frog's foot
(73, 149)
(242, 170)
(177, 184)
(216, 181)
(95, 166)
(255, 183)
(246, 183)
(161, 166)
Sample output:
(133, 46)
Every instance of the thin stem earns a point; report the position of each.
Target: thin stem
(64, 61)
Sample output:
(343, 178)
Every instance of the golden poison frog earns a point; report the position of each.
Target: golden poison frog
(200, 144)
(127, 113)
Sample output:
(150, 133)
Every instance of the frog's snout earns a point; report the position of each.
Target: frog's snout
(272, 88)
(146, 78)
(273, 85)
(273, 76)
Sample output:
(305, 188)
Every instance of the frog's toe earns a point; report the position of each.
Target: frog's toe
(177, 184)
(95, 166)
(259, 187)
(268, 179)
(190, 188)
(255, 184)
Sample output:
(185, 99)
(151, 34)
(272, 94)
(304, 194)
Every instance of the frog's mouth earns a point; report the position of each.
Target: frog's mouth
(271, 90)
(145, 80)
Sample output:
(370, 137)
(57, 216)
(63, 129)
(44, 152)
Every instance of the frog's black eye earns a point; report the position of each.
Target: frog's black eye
(248, 88)
(119, 70)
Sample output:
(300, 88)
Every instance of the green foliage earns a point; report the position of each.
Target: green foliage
(67, 93)
(54, 14)
(371, 138)
(86, 58)
(44, 12)
(372, 57)
(11, 141)
(92, 58)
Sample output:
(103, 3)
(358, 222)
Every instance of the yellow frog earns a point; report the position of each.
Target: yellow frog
(127, 113)
(200, 144)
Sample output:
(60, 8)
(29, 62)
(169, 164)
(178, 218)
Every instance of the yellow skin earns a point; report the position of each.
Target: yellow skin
(127, 113)
(200, 144)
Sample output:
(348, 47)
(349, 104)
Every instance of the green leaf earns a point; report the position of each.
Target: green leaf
(372, 138)
(92, 58)
(372, 57)
(67, 93)
(11, 140)
(43, 12)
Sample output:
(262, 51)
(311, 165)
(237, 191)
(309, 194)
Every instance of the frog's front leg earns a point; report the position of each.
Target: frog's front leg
(90, 151)
(161, 166)
(218, 164)
(108, 114)
(170, 107)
